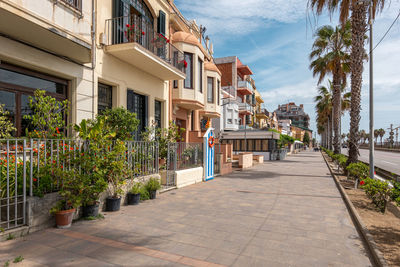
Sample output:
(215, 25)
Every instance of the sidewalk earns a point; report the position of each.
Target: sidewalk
(284, 213)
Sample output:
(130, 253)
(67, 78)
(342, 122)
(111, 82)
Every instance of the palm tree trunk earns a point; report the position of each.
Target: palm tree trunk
(336, 109)
(359, 24)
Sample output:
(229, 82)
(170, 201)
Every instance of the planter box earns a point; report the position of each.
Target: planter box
(189, 177)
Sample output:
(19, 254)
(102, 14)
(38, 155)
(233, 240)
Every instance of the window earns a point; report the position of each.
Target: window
(157, 113)
(210, 89)
(218, 92)
(200, 75)
(76, 4)
(161, 23)
(104, 100)
(138, 104)
(18, 84)
(192, 121)
(175, 84)
(189, 71)
(229, 121)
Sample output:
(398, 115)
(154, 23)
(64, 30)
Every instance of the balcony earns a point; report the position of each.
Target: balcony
(262, 114)
(245, 109)
(245, 88)
(49, 27)
(134, 41)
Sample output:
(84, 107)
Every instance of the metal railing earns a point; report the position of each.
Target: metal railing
(76, 4)
(27, 169)
(244, 107)
(245, 84)
(128, 29)
(278, 154)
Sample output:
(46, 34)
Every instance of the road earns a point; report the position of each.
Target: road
(388, 161)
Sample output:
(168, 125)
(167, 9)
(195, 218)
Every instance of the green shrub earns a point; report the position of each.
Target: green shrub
(395, 196)
(144, 194)
(121, 121)
(378, 191)
(358, 170)
(153, 184)
(136, 188)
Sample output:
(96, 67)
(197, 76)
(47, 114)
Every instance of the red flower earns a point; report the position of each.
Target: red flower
(34, 179)
(362, 183)
(185, 63)
(127, 25)
(143, 33)
(167, 40)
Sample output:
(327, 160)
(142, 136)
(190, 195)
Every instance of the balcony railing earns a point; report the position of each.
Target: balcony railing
(245, 84)
(133, 29)
(244, 107)
(76, 4)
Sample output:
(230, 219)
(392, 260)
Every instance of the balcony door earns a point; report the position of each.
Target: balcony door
(133, 13)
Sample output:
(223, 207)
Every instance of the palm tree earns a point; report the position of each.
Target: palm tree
(381, 134)
(331, 55)
(376, 134)
(323, 107)
(358, 25)
(363, 136)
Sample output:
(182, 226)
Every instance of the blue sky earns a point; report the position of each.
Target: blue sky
(274, 38)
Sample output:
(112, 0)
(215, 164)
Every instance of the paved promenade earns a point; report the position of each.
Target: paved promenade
(285, 213)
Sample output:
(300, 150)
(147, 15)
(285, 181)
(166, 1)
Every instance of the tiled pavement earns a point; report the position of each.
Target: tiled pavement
(285, 213)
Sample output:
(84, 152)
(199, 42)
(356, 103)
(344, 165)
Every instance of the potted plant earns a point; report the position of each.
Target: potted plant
(94, 186)
(134, 194)
(115, 170)
(71, 197)
(152, 185)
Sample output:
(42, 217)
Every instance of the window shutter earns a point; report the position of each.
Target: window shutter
(146, 111)
(161, 23)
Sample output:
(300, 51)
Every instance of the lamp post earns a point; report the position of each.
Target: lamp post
(371, 97)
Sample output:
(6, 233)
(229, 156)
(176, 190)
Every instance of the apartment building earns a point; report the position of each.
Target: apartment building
(237, 94)
(260, 116)
(97, 54)
(296, 114)
(46, 45)
(196, 99)
(136, 59)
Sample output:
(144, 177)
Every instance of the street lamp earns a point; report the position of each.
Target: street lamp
(371, 98)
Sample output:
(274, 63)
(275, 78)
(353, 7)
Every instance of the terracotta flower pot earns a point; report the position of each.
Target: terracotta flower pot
(161, 162)
(64, 218)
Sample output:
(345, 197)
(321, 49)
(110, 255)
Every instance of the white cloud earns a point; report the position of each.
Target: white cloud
(241, 17)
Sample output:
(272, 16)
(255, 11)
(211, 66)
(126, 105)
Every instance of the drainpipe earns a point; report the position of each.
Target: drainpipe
(94, 3)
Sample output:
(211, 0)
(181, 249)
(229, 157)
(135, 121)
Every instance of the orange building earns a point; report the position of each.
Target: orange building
(196, 99)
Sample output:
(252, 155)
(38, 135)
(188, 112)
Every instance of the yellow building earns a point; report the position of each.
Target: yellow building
(260, 114)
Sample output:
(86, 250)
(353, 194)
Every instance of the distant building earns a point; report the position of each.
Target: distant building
(294, 113)
(284, 127)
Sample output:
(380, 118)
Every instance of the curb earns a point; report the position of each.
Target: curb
(372, 248)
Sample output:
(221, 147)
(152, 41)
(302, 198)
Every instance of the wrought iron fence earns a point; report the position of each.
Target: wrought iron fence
(27, 169)
(128, 29)
(217, 157)
(182, 156)
(278, 154)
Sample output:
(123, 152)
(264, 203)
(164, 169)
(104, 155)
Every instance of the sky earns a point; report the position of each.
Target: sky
(274, 37)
